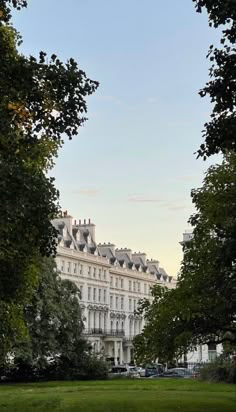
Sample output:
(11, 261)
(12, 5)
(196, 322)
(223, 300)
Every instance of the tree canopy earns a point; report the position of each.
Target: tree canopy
(53, 347)
(202, 309)
(42, 100)
(220, 131)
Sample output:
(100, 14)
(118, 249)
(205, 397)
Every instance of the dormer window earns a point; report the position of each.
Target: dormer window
(89, 239)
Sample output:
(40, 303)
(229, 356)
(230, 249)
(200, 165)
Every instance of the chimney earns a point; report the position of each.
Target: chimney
(154, 262)
(140, 255)
(68, 220)
(91, 228)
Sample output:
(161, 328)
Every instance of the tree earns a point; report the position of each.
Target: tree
(41, 101)
(219, 133)
(202, 309)
(54, 343)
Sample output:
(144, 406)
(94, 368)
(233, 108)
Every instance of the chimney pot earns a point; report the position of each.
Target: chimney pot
(85, 221)
(75, 222)
(79, 222)
(89, 221)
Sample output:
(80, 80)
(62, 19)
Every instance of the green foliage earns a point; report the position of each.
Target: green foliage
(41, 100)
(219, 133)
(202, 309)
(221, 370)
(52, 346)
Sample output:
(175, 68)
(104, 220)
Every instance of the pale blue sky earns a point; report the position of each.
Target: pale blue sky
(131, 168)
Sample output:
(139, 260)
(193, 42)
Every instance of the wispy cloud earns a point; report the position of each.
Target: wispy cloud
(172, 205)
(176, 208)
(141, 198)
(88, 192)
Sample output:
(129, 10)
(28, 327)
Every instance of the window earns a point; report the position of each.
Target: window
(111, 282)
(75, 268)
(99, 273)
(105, 275)
(99, 295)
(122, 283)
(130, 285)
(89, 270)
(81, 269)
(94, 294)
(122, 303)
(117, 280)
(62, 265)
(68, 267)
(111, 301)
(138, 286)
(145, 288)
(130, 304)
(81, 292)
(134, 304)
(134, 286)
(89, 293)
(117, 302)
(94, 272)
(104, 296)
(212, 354)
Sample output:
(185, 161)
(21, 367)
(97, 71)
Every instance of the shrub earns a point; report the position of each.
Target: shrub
(221, 370)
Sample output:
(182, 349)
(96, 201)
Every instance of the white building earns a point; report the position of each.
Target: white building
(111, 282)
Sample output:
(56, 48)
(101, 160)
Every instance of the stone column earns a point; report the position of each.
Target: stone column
(89, 319)
(115, 352)
(128, 354)
(121, 353)
(94, 319)
(100, 320)
(105, 321)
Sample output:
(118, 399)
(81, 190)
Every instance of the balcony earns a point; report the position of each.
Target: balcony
(101, 332)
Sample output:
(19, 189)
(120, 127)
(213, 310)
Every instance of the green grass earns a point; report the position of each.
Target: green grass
(118, 396)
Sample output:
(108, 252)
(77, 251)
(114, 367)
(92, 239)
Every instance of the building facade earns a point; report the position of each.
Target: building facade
(111, 283)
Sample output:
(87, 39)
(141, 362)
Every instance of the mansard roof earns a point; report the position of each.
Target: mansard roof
(80, 237)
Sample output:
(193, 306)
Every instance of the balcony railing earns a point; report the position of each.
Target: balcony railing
(102, 332)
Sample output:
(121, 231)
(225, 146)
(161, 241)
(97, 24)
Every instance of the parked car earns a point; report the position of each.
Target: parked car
(124, 371)
(196, 370)
(150, 370)
(178, 373)
(141, 371)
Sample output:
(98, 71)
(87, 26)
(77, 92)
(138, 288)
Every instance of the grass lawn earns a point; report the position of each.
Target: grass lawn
(165, 395)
